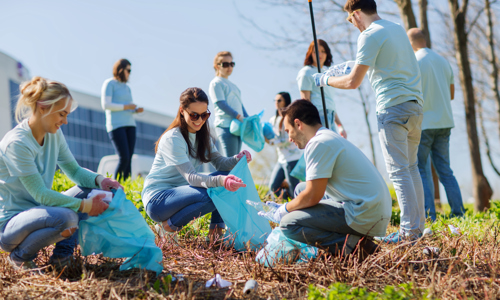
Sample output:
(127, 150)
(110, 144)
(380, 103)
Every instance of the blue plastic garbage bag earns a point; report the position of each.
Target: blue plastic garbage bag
(267, 130)
(251, 132)
(242, 220)
(279, 248)
(121, 232)
(299, 171)
(235, 127)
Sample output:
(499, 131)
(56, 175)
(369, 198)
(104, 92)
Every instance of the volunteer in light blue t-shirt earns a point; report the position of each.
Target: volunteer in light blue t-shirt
(116, 100)
(309, 91)
(344, 198)
(174, 193)
(32, 215)
(438, 89)
(226, 97)
(288, 153)
(386, 56)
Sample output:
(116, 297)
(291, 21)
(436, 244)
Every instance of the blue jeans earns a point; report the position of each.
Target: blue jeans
(399, 129)
(331, 119)
(323, 224)
(34, 229)
(123, 139)
(436, 144)
(280, 172)
(182, 204)
(230, 143)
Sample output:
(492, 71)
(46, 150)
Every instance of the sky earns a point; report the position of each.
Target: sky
(171, 45)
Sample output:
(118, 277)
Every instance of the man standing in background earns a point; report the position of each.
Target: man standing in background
(438, 89)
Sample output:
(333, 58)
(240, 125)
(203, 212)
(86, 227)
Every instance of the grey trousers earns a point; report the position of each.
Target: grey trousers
(323, 224)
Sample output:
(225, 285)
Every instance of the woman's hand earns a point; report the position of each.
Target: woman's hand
(106, 184)
(233, 183)
(94, 206)
(244, 153)
(139, 110)
(342, 131)
(129, 107)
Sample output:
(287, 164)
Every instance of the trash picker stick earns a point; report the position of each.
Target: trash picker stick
(318, 62)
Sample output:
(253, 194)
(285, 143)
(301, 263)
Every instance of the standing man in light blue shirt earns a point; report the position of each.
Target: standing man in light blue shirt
(344, 197)
(386, 56)
(438, 89)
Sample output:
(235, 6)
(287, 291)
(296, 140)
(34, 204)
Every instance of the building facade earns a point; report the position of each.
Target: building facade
(86, 131)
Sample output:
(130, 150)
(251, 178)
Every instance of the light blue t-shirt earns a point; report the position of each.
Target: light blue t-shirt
(172, 151)
(120, 93)
(21, 155)
(352, 180)
(306, 83)
(437, 76)
(394, 73)
(222, 89)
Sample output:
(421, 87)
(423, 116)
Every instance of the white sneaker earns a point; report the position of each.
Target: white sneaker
(165, 235)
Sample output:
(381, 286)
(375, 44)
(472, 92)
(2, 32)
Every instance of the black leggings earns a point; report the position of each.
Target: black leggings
(123, 139)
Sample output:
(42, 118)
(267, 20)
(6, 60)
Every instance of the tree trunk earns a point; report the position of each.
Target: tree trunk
(493, 58)
(406, 11)
(481, 189)
(424, 24)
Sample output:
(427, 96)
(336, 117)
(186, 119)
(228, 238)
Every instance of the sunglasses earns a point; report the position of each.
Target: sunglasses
(279, 100)
(195, 116)
(227, 65)
(349, 16)
(128, 70)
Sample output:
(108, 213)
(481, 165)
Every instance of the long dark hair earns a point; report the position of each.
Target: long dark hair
(202, 152)
(287, 98)
(119, 69)
(308, 61)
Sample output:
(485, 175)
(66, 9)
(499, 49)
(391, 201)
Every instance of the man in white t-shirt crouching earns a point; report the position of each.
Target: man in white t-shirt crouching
(344, 197)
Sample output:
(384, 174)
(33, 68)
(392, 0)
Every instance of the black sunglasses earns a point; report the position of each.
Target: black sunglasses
(195, 116)
(227, 65)
(128, 70)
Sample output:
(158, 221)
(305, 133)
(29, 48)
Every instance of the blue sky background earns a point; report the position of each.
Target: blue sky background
(171, 45)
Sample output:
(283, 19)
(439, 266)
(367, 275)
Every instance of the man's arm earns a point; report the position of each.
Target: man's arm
(452, 91)
(351, 81)
(315, 190)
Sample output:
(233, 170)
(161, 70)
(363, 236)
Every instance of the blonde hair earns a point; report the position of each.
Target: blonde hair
(42, 92)
(218, 59)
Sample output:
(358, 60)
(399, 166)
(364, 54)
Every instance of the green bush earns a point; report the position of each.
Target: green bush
(341, 291)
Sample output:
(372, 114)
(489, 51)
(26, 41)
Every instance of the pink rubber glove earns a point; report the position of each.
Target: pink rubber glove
(244, 153)
(106, 184)
(233, 183)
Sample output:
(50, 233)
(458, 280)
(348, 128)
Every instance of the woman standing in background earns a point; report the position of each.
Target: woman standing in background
(226, 97)
(309, 91)
(288, 153)
(116, 100)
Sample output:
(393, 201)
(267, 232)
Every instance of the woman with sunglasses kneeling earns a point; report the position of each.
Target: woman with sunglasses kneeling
(174, 193)
(32, 215)
(227, 101)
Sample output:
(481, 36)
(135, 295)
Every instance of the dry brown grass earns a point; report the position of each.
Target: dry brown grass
(468, 266)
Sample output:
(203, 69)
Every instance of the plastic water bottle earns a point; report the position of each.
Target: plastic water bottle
(265, 210)
(342, 69)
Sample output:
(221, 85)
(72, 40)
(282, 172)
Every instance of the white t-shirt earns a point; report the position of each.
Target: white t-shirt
(287, 151)
(306, 83)
(222, 89)
(172, 151)
(21, 155)
(352, 180)
(437, 76)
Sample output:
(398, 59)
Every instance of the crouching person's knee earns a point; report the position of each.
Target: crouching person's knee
(290, 228)
(299, 188)
(69, 223)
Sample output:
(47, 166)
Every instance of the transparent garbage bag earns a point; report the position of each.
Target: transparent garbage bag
(280, 249)
(242, 221)
(121, 232)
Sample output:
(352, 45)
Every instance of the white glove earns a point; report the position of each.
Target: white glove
(321, 79)
(276, 214)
